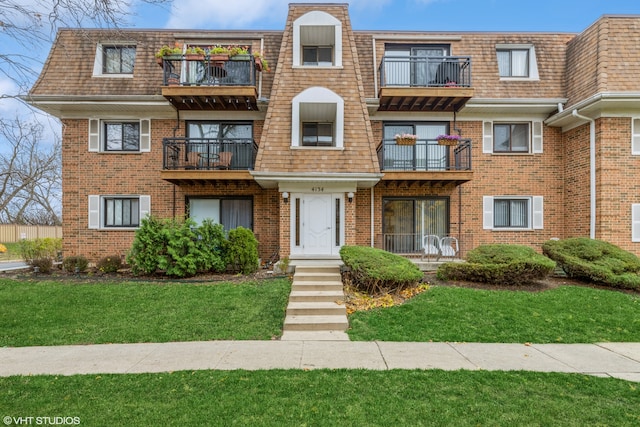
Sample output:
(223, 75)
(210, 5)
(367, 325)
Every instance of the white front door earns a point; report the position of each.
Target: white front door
(316, 224)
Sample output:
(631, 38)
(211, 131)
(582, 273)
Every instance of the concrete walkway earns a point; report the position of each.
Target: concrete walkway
(619, 360)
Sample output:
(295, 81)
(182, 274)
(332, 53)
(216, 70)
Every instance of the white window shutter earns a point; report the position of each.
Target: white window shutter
(145, 206)
(635, 222)
(94, 135)
(537, 136)
(94, 212)
(145, 135)
(635, 136)
(487, 137)
(487, 212)
(538, 213)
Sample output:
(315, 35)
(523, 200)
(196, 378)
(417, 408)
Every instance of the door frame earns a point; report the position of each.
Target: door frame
(337, 237)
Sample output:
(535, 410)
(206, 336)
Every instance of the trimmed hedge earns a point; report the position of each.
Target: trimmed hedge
(595, 261)
(376, 271)
(499, 264)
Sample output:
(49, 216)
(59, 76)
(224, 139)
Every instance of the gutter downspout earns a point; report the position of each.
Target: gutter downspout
(592, 170)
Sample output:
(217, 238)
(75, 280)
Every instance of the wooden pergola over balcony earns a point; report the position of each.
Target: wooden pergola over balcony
(418, 83)
(208, 84)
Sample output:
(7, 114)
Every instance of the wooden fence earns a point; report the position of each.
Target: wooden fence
(10, 233)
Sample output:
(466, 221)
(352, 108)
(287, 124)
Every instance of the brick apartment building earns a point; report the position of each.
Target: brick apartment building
(549, 128)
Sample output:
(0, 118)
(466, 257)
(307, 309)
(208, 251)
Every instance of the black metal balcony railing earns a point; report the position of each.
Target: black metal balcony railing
(425, 71)
(425, 156)
(209, 72)
(209, 153)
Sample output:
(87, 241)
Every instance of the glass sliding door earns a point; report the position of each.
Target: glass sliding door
(426, 155)
(425, 64)
(431, 156)
(406, 220)
(213, 138)
(230, 212)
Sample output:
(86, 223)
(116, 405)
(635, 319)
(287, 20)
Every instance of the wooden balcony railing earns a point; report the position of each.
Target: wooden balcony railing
(208, 153)
(425, 156)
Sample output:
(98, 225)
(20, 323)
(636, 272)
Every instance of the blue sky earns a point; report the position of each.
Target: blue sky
(422, 15)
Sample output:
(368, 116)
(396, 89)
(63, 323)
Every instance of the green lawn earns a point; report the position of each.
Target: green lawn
(326, 398)
(53, 313)
(568, 314)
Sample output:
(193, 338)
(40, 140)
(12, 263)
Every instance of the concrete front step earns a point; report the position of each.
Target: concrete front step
(316, 296)
(316, 304)
(315, 309)
(315, 323)
(316, 286)
(317, 277)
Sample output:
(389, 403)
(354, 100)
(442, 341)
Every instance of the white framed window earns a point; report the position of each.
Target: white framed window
(317, 55)
(317, 40)
(115, 60)
(635, 222)
(635, 136)
(513, 212)
(517, 61)
(119, 135)
(316, 134)
(516, 137)
(318, 119)
(117, 211)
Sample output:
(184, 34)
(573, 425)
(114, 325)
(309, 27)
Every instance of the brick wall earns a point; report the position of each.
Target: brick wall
(87, 173)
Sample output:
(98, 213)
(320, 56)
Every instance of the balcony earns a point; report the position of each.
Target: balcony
(207, 84)
(192, 160)
(424, 83)
(426, 161)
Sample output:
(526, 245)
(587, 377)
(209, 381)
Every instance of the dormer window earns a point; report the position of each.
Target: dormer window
(317, 134)
(317, 55)
(517, 62)
(317, 40)
(317, 119)
(114, 60)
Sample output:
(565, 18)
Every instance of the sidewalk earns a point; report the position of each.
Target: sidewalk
(619, 360)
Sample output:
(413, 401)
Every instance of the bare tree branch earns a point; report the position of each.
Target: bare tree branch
(30, 169)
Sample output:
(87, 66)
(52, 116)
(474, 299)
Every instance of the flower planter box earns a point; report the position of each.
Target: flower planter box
(241, 57)
(444, 141)
(405, 141)
(219, 57)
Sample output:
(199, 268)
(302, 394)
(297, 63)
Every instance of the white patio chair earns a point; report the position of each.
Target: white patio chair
(430, 246)
(449, 247)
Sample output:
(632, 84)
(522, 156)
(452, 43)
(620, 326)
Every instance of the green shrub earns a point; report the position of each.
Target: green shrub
(210, 243)
(182, 253)
(109, 264)
(241, 250)
(44, 265)
(376, 271)
(47, 247)
(149, 246)
(70, 263)
(595, 261)
(499, 264)
(182, 249)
